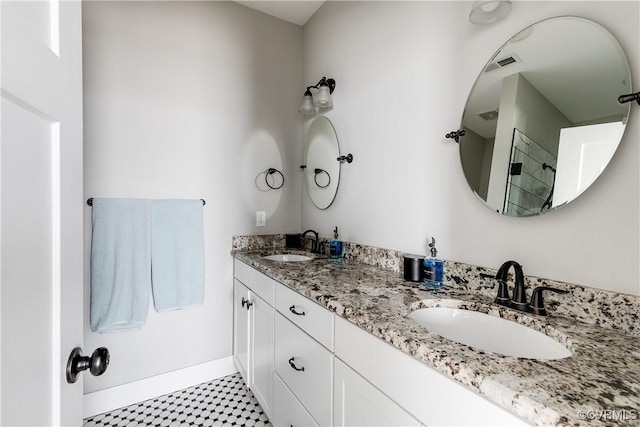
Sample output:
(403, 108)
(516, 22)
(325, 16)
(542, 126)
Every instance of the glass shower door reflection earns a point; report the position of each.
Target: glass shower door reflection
(531, 177)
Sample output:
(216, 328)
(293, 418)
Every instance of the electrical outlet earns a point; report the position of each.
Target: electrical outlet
(261, 218)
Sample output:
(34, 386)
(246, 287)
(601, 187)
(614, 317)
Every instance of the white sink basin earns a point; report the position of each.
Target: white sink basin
(490, 333)
(287, 258)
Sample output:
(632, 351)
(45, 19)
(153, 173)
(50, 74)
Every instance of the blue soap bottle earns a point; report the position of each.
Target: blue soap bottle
(335, 245)
(433, 268)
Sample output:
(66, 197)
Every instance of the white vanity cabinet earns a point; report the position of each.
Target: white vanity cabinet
(307, 366)
(356, 402)
(253, 314)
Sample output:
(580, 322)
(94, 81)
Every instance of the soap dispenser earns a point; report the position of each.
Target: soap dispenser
(433, 268)
(335, 245)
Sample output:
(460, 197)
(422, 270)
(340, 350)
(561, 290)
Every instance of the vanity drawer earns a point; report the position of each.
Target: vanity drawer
(288, 411)
(314, 319)
(256, 281)
(306, 367)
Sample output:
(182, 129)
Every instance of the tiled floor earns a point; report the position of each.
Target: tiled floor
(222, 402)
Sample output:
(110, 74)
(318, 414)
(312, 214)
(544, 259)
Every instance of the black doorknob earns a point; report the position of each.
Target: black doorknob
(97, 363)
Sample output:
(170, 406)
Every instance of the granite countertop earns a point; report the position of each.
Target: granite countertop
(603, 374)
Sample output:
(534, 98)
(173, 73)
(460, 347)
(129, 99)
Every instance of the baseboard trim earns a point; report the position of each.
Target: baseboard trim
(127, 394)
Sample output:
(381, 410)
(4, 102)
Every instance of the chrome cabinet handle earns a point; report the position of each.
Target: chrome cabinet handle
(293, 365)
(294, 311)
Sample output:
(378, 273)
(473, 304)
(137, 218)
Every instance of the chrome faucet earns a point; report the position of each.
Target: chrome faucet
(314, 243)
(519, 299)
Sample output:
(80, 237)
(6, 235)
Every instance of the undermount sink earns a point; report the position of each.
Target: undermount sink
(287, 257)
(490, 333)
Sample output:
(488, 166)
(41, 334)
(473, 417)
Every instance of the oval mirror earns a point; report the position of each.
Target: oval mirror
(542, 120)
(321, 167)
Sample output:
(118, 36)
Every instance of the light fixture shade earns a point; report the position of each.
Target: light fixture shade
(488, 11)
(307, 108)
(322, 99)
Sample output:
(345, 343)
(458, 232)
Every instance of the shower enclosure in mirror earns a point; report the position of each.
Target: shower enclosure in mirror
(542, 120)
(321, 165)
(531, 177)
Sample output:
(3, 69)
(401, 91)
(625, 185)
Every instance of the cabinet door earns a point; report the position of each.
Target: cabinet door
(241, 329)
(287, 410)
(358, 403)
(261, 350)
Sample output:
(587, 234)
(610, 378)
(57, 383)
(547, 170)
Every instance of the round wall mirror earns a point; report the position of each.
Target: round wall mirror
(542, 120)
(321, 167)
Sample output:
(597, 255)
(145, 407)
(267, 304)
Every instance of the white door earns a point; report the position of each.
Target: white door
(41, 205)
(583, 153)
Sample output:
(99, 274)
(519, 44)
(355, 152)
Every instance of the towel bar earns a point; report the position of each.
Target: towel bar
(90, 201)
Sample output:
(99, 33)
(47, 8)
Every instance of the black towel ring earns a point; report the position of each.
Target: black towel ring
(272, 171)
(319, 171)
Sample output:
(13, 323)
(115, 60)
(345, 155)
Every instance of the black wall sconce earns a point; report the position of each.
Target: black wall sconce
(322, 99)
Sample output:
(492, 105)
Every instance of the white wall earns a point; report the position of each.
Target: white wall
(189, 100)
(403, 73)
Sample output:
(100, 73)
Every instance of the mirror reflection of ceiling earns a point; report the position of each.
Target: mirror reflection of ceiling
(543, 119)
(583, 57)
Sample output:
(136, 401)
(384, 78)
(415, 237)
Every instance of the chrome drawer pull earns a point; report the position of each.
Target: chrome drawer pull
(297, 313)
(293, 365)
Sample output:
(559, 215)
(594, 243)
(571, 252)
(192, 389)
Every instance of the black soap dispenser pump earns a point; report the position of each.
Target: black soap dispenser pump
(335, 245)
